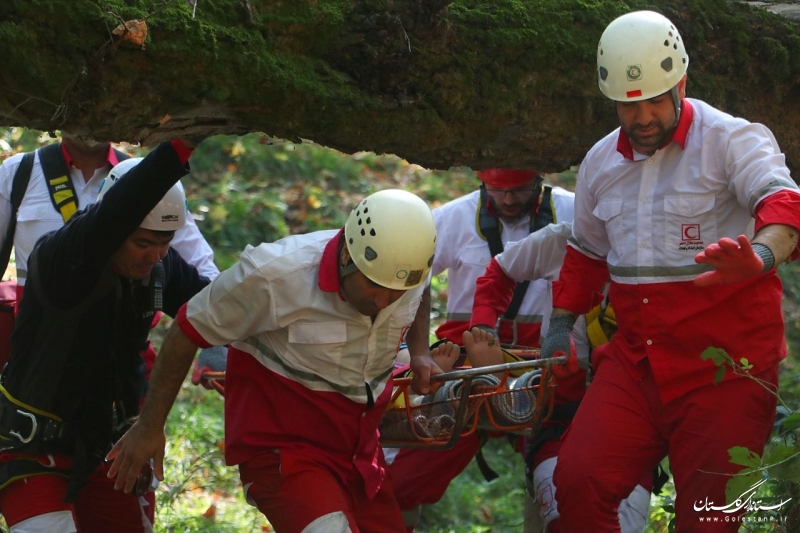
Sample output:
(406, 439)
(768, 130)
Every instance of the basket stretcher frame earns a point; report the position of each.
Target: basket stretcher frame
(544, 400)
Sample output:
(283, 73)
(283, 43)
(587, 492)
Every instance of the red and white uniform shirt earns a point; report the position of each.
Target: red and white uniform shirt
(304, 367)
(464, 253)
(642, 219)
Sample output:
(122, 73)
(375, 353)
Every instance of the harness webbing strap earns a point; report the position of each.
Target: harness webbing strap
(488, 473)
(59, 184)
(25, 425)
(21, 468)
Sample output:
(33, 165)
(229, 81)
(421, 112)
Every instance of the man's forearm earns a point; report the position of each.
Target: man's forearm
(417, 336)
(172, 365)
(780, 239)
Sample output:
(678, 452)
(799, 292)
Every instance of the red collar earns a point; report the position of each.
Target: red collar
(111, 157)
(679, 136)
(328, 279)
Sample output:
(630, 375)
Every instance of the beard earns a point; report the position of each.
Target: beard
(513, 212)
(654, 138)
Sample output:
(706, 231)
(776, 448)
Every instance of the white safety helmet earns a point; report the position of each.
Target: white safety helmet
(640, 56)
(391, 238)
(168, 215)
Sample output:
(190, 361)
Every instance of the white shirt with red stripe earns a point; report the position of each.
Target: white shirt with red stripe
(464, 253)
(642, 219)
(305, 370)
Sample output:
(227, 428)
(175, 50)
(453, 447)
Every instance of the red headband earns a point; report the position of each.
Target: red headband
(506, 179)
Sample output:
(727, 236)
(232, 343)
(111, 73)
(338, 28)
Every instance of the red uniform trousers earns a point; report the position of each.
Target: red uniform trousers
(98, 509)
(421, 476)
(293, 491)
(622, 430)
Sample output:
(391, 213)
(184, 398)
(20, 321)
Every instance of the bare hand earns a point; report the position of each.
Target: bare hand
(733, 261)
(423, 367)
(132, 451)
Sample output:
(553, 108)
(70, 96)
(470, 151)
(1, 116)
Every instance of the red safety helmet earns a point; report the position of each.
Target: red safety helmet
(502, 178)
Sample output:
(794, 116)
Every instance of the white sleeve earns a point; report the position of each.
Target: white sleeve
(589, 227)
(538, 256)
(756, 165)
(194, 249)
(441, 258)
(7, 171)
(226, 311)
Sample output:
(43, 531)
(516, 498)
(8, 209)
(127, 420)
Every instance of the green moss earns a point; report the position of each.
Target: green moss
(776, 54)
(335, 65)
(793, 45)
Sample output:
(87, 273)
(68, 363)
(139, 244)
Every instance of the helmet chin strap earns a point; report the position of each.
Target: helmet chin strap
(676, 100)
(350, 267)
(347, 269)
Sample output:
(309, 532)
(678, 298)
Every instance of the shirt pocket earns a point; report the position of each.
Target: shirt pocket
(476, 256)
(690, 223)
(609, 212)
(320, 344)
(34, 219)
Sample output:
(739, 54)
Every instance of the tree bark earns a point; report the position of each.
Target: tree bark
(440, 83)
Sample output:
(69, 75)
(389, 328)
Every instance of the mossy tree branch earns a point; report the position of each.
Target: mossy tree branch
(438, 82)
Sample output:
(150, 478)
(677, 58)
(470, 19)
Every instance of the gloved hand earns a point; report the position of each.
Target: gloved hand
(733, 261)
(213, 359)
(559, 342)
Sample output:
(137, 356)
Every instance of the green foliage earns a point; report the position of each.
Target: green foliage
(249, 190)
(199, 492)
(779, 467)
(662, 509)
(474, 505)
(784, 461)
(17, 140)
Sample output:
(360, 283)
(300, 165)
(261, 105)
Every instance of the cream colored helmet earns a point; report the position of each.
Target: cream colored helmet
(168, 215)
(640, 56)
(391, 238)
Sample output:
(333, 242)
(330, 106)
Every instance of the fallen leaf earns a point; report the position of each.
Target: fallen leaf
(134, 31)
(210, 513)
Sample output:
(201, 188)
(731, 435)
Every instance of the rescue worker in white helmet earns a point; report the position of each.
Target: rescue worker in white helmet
(75, 377)
(688, 210)
(313, 323)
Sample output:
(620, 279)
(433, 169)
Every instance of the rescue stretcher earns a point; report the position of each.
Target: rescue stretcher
(469, 399)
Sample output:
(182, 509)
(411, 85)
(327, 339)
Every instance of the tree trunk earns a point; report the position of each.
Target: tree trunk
(440, 83)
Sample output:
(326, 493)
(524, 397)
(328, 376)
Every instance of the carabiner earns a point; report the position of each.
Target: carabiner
(34, 427)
